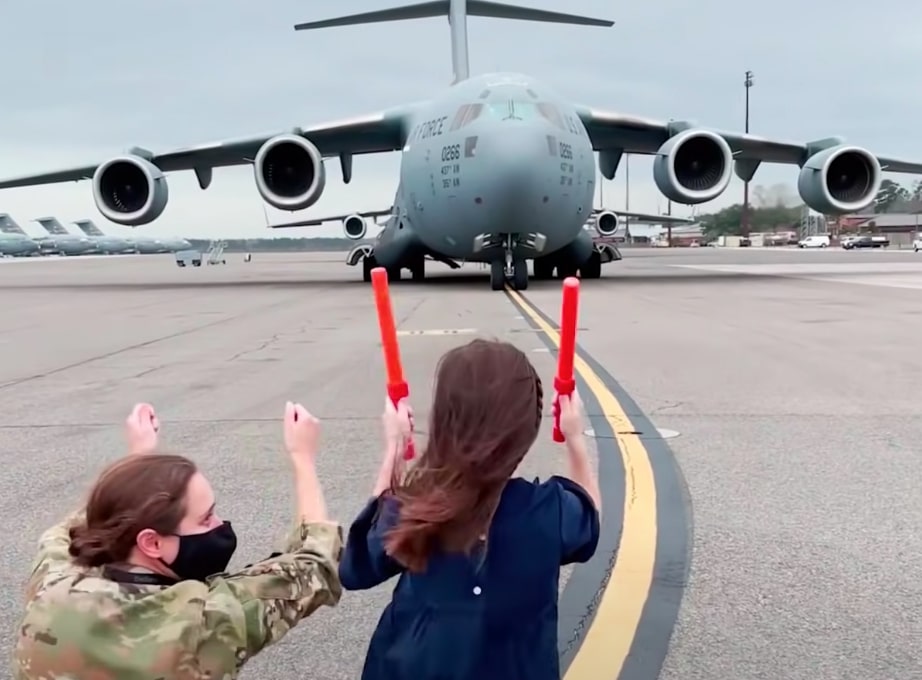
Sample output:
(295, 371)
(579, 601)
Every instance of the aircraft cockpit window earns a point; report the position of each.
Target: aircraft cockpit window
(502, 110)
(550, 112)
(466, 115)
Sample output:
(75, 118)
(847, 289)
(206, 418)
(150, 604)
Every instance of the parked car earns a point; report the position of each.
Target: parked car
(917, 243)
(866, 242)
(814, 241)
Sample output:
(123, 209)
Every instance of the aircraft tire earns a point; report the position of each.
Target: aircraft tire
(592, 269)
(544, 270)
(565, 271)
(368, 263)
(497, 275)
(520, 275)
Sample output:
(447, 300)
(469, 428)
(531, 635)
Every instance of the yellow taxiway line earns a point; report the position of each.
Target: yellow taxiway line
(607, 642)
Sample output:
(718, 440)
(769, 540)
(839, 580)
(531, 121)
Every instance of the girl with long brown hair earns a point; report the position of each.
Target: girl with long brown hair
(478, 551)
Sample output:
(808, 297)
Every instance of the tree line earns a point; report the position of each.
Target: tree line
(779, 208)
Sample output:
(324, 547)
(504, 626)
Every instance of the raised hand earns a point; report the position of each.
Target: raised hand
(398, 424)
(302, 433)
(572, 419)
(142, 429)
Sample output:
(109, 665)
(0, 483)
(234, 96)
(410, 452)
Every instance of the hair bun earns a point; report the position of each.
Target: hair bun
(89, 547)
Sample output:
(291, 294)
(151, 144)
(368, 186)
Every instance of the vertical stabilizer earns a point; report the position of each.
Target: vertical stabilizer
(89, 228)
(457, 12)
(52, 226)
(9, 226)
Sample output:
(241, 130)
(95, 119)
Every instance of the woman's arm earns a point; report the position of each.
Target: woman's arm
(53, 551)
(247, 611)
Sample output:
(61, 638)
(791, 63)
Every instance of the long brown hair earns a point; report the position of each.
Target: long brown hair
(485, 416)
(135, 493)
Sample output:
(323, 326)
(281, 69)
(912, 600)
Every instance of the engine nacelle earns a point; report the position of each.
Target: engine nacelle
(693, 167)
(606, 223)
(289, 171)
(130, 190)
(354, 227)
(840, 180)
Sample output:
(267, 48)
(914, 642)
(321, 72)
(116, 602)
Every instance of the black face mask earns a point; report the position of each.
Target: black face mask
(201, 555)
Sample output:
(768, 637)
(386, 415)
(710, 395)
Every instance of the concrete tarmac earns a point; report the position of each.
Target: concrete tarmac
(790, 377)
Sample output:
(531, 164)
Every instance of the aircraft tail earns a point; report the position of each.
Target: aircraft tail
(9, 226)
(89, 228)
(52, 226)
(457, 12)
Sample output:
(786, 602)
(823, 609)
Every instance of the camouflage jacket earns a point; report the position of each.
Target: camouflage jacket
(80, 625)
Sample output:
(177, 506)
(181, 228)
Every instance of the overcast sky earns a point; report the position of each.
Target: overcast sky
(84, 81)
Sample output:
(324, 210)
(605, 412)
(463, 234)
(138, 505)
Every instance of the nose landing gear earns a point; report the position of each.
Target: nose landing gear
(509, 268)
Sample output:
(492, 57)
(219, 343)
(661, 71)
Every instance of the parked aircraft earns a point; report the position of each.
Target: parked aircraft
(67, 243)
(108, 245)
(140, 244)
(9, 227)
(17, 245)
(497, 168)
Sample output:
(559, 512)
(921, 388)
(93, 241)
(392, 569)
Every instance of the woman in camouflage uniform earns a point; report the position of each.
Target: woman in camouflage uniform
(133, 586)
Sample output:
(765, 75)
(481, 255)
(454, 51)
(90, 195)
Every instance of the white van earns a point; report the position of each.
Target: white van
(815, 241)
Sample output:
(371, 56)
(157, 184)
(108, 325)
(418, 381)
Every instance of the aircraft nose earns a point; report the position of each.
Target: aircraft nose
(518, 170)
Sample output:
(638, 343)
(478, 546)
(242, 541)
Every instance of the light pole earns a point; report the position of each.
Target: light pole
(748, 84)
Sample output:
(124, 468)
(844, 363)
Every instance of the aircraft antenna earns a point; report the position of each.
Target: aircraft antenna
(457, 12)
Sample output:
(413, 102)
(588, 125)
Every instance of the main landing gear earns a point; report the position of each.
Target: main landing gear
(417, 269)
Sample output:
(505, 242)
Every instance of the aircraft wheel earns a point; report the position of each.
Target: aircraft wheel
(368, 263)
(592, 269)
(544, 269)
(497, 275)
(565, 271)
(520, 274)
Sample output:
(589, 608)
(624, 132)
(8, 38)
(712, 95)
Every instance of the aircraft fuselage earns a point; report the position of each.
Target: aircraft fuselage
(18, 246)
(495, 162)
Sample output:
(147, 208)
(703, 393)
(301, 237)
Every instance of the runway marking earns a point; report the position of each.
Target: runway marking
(440, 331)
(627, 597)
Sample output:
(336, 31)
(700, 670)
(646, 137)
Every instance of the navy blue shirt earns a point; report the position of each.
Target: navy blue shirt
(490, 615)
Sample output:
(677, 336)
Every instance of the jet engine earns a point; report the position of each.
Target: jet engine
(693, 166)
(606, 223)
(130, 190)
(289, 172)
(840, 180)
(355, 227)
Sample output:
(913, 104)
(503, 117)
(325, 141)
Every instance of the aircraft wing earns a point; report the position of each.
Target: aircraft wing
(375, 133)
(331, 218)
(635, 135)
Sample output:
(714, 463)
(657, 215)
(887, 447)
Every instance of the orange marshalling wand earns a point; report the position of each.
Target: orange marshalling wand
(565, 382)
(397, 387)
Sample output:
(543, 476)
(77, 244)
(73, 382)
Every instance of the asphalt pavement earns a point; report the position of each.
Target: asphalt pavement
(784, 386)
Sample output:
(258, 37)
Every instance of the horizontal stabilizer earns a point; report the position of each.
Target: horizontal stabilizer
(457, 12)
(438, 8)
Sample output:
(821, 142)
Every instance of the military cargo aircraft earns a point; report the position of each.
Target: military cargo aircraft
(496, 168)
